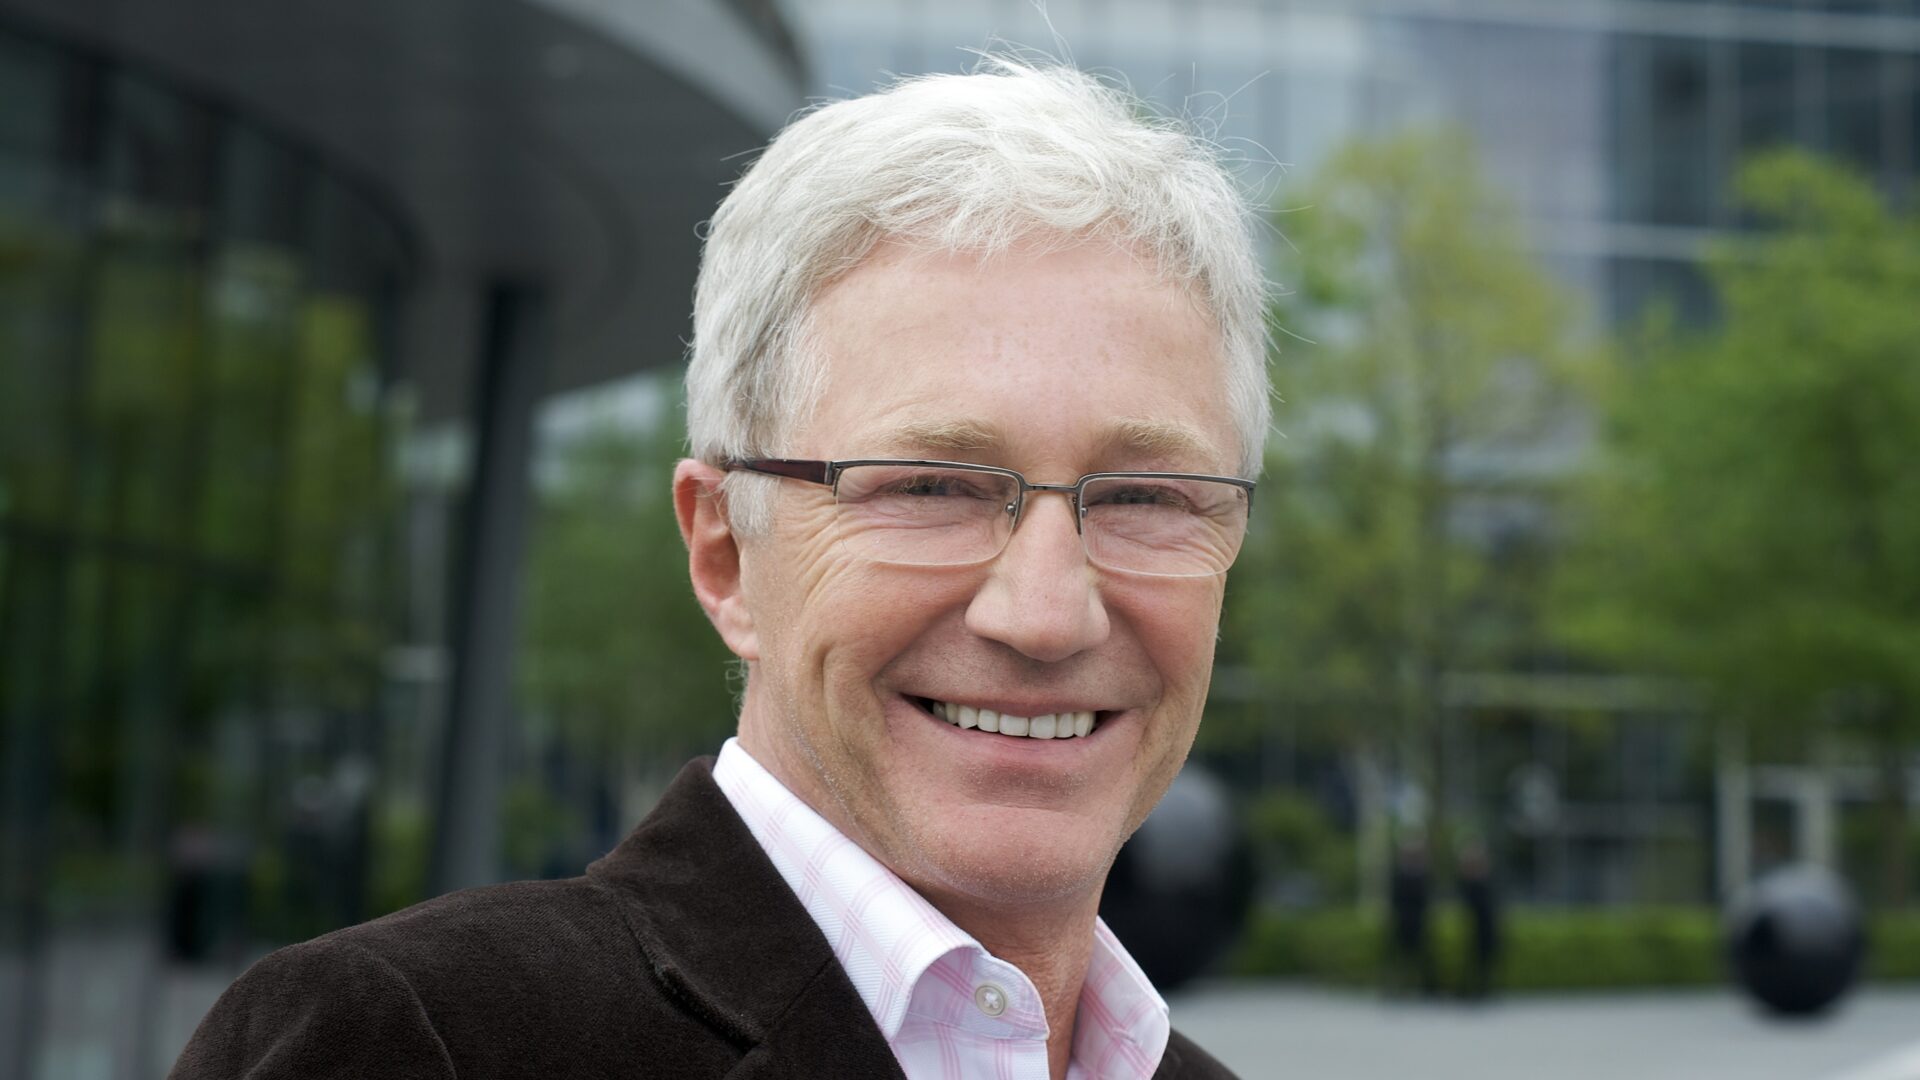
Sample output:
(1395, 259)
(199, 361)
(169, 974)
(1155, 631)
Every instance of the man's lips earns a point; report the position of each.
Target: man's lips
(1061, 723)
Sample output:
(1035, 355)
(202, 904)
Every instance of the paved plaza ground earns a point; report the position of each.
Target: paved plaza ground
(98, 1029)
(1268, 1032)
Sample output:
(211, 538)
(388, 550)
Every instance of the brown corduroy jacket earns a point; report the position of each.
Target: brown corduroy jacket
(680, 954)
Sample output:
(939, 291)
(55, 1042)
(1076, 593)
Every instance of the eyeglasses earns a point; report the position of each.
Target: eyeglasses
(950, 513)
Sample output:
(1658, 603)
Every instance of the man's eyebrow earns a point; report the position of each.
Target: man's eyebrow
(946, 436)
(1159, 439)
(1163, 441)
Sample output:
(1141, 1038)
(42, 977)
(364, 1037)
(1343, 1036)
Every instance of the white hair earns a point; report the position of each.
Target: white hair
(953, 163)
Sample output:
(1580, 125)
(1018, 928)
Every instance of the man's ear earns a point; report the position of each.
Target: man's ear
(713, 555)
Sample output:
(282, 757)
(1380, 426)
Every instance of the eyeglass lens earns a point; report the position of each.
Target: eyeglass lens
(923, 515)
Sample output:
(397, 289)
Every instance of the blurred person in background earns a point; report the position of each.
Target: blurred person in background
(976, 390)
(1409, 957)
(1480, 897)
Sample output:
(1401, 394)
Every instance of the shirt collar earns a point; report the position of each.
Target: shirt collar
(887, 936)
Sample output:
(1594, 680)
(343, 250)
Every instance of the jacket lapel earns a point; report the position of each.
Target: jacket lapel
(728, 940)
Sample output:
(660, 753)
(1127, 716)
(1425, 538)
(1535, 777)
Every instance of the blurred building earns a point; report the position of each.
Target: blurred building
(1615, 127)
(282, 286)
(1613, 124)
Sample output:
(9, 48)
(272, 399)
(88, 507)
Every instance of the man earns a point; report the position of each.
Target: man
(1410, 959)
(976, 382)
(1480, 897)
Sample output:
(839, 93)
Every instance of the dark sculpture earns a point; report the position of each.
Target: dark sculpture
(1795, 940)
(1181, 887)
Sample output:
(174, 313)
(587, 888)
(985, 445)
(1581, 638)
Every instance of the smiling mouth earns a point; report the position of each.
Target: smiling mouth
(1066, 725)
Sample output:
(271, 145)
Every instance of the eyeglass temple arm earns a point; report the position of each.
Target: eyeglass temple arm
(814, 472)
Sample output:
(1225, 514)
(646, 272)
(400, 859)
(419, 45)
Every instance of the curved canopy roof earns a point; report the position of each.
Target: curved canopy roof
(573, 143)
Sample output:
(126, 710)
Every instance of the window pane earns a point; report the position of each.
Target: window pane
(157, 163)
(30, 83)
(1766, 95)
(1662, 131)
(1854, 101)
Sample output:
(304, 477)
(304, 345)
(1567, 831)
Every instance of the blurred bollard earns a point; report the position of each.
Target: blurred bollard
(1795, 940)
(1181, 887)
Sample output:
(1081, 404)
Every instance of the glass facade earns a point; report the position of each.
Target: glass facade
(1616, 137)
(202, 539)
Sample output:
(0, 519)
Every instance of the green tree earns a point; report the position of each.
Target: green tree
(1753, 521)
(619, 663)
(1391, 541)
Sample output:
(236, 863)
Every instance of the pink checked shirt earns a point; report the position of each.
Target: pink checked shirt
(948, 1008)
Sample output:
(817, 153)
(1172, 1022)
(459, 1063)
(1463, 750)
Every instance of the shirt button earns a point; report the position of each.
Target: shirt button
(991, 999)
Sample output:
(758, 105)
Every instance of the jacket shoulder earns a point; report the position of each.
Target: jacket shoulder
(322, 1009)
(1184, 1060)
(522, 979)
(488, 936)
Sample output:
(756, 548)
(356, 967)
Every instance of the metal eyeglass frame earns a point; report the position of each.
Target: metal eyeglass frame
(827, 474)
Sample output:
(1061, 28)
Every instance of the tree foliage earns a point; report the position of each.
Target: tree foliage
(1395, 519)
(619, 662)
(1753, 521)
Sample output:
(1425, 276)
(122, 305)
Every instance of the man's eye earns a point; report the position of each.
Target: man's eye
(1144, 495)
(925, 485)
(936, 485)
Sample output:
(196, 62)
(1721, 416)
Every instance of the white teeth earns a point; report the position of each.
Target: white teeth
(1068, 725)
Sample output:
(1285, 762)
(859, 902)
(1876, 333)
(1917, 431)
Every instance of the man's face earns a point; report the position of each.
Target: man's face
(1056, 365)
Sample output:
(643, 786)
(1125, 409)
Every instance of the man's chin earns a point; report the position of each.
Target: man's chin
(1014, 858)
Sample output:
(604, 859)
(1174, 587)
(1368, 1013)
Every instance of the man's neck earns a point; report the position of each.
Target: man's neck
(1053, 946)
(1051, 942)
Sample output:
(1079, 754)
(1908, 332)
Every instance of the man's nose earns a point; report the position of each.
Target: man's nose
(1041, 597)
